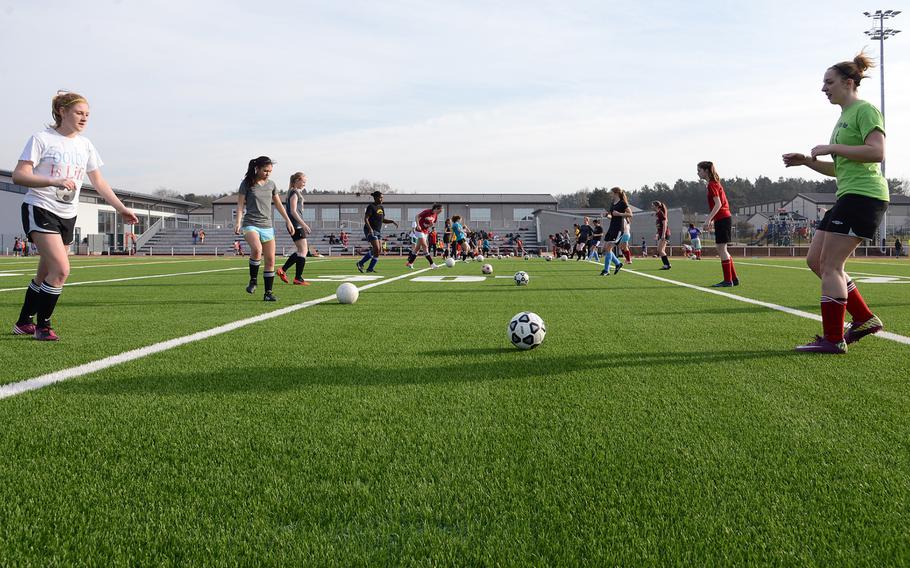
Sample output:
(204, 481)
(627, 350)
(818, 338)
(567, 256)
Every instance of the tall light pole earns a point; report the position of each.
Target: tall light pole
(880, 33)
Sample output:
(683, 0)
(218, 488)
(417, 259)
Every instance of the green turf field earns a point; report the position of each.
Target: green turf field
(657, 424)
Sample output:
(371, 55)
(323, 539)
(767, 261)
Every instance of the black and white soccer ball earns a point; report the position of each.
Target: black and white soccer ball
(526, 330)
(522, 278)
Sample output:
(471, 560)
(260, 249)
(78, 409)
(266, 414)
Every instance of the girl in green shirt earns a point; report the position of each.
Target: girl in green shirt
(857, 147)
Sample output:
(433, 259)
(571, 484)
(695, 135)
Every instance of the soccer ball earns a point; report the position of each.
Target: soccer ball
(549, 258)
(480, 258)
(486, 269)
(347, 293)
(450, 262)
(522, 278)
(563, 257)
(526, 330)
(527, 257)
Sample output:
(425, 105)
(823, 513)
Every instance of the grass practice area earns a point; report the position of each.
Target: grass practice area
(656, 424)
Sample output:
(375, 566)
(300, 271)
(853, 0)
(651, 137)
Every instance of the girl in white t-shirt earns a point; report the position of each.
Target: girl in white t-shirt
(53, 166)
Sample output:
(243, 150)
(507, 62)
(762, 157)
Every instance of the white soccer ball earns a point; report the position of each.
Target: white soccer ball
(480, 258)
(450, 262)
(522, 278)
(486, 269)
(563, 257)
(527, 257)
(347, 293)
(549, 258)
(526, 330)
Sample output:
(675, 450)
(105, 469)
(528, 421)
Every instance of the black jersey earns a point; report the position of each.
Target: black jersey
(298, 209)
(584, 233)
(616, 210)
(598, 233)
(375, 215)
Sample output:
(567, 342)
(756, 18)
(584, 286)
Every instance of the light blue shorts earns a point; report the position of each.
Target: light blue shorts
(626, 237)
(265, 235)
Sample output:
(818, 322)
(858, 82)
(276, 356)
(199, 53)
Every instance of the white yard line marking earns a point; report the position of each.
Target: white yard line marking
(35, 383)
(747, 263)
(147, 277)
(794, 312)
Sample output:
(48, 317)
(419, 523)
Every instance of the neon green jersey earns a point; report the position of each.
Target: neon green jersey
(856, 122)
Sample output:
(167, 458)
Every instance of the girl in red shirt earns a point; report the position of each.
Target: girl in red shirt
(722, 220)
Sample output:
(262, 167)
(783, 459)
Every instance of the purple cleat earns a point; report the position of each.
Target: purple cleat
(822, 345)
(858, 330)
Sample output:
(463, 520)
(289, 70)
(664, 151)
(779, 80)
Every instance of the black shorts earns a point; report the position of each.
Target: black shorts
(723, 231)
(43, 221)
(299, 234)
(854, 215)
(612, 235)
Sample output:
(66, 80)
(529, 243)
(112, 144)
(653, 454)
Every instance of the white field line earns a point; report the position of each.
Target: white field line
(747, 263)
(35, 383)
(146, 277)
(793, 312)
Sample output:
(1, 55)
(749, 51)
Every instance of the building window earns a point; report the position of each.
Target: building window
(520, 213)
(349, 210)
(393, 213)
(309, 214)
(480, 214)
(330, 214)
(106, 221)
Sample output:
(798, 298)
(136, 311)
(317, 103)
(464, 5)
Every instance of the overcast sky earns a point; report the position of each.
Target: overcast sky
(486, 96)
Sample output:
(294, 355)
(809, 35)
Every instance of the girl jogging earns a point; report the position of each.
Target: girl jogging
(294, 209)
(663, 232)
(53, 166)
(255, 197)
(857, 147)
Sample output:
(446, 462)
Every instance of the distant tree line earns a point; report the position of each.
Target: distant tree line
(690, 195)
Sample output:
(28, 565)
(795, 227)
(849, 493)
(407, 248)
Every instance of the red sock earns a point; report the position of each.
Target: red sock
(727, 266)
(833, 310)
(698, 254)
(733, 270)
(856, 305)
(628, 255)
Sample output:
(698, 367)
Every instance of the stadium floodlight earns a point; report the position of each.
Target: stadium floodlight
(880, 33)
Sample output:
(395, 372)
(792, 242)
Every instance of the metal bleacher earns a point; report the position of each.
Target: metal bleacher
(220, 241)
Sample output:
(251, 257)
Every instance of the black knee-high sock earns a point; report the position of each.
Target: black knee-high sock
(411, 257)
(269, 278)
(301, 264)
(47, 301)
(291, 260)
(254, 269)
(665, 260)
(30, 305)
(429, 258)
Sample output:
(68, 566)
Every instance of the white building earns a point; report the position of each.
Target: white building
(94, 217)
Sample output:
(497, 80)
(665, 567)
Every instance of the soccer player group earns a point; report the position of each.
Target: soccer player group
(56, 160)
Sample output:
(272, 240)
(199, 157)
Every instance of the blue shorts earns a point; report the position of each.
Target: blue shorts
(626, 237)
(371, 235)
(265, 235)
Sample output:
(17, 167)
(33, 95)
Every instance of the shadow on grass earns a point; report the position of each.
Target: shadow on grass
(479, 365)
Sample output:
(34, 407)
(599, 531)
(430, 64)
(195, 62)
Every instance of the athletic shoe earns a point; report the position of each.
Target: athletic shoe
(736, 281)
(269, 297)
(434, 265)
(360, 267)
(822, 345)
(301, 282)
(617, 267)
(371, 270)
(409, 265)
(27, 328)
(723, 284)
(45, 334)
(282, 274)
(665, 267)
(251, 287)
(855, 331)
(604, 272)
